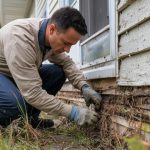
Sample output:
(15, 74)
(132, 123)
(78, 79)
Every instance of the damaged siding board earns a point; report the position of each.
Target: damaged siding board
(123, 4)
(135, 70)
(133, 15)
(123, 125)
(135, 41)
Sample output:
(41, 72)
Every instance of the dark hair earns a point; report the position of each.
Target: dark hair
(69, 17)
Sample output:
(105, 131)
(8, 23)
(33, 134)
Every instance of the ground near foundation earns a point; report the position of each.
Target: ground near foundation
(101, 136)
(21, 136)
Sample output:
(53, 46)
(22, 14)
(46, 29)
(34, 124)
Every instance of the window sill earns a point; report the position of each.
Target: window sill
(103, 72)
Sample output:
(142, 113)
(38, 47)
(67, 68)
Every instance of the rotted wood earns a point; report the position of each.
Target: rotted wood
(127, 91)
(126, 127)
(131, 112)
(131, 123)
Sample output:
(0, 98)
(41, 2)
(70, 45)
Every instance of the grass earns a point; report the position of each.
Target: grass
(21, 136)
(134, 143)
(77, 134)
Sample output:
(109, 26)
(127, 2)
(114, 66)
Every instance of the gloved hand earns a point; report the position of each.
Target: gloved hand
(91, 96)
(83, 115)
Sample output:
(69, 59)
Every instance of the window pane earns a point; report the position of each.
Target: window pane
(96, 48)
(71, 1)
(99, 15)
(96, 15)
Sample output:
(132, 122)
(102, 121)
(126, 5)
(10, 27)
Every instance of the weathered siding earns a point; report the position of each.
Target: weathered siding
(32, 10)
(136, 12)
(135, 70)
(122, 4)
(135, 40)
(133, 43)
(40, 8)
(130, 112)
(53, 6)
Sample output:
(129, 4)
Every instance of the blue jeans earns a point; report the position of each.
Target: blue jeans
(13, 105)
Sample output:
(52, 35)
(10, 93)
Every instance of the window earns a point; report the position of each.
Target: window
(67, 3)
(96, 15)
(71, 2)
(98, 47)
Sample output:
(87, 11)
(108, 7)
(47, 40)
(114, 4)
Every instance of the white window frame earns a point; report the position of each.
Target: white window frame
(110, 70)
(66, 3)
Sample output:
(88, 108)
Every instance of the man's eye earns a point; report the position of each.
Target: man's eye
(66, 44)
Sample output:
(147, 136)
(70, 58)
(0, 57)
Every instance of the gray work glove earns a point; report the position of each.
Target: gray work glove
(91, 96)
(83, 116)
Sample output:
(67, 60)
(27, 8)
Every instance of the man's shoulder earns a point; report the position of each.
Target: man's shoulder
(22, 28)
(27, 21)
(22, 25)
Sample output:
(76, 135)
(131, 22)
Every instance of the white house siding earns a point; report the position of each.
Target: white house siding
(134, 35)
(135, 40)
(40, 8)
(53, 5)
(32, 10)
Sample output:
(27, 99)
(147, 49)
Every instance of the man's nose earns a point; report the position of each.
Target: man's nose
(67, 49)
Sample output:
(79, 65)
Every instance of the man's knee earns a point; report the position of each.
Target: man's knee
(12, 104)
(53, 78)
(52, 72)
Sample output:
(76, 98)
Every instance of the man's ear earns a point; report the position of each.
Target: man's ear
(52, 28)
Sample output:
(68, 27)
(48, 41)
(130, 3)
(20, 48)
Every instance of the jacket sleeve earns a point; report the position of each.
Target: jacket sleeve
(21, 60)
(73, 73)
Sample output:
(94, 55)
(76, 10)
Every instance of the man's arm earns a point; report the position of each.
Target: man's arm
(77, 78)
(21, 60)
(72, 72)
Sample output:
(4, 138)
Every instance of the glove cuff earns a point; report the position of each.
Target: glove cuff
(84, 86)
(74, 114)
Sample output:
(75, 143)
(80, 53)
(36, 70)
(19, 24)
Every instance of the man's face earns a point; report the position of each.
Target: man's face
(61, 41)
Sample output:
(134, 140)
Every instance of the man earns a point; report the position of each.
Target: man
(26, 85)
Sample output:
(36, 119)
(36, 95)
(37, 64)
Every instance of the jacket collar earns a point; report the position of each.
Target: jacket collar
(41, 36)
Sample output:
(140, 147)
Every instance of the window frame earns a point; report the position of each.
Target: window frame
(111, 69)
(66, 3)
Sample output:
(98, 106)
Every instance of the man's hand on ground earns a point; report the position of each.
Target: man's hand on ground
(83, 116)
(91, 96)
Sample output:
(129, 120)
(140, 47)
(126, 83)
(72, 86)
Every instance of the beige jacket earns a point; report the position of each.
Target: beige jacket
(21, 57)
